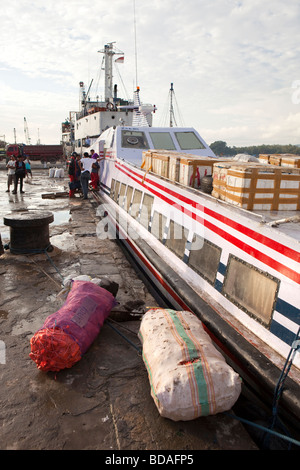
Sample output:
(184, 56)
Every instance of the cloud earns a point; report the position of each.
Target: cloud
(232, 62)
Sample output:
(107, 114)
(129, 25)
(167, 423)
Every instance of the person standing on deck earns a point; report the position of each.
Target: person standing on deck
(86, 168)
(28, 165)
(20, 173)
(11, 167)
(95, 174)
(93, 154)
(72, 174)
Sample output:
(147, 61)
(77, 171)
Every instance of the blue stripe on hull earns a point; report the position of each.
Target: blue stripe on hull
(282, 333)
(288, 310)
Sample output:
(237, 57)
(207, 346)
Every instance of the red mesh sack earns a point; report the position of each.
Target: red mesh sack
(67, 334)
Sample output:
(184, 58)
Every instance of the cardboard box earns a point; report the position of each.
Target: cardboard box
(255, 186)
(290, 160)
(193, 168)
(281, 159)
(264, 158)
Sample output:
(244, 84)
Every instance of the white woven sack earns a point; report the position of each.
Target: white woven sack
(189, 377)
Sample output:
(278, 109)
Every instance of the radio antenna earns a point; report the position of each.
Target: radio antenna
(135, 46)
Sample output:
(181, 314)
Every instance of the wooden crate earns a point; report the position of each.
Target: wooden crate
(193, 168)
(290, 160)
(281, 159)
(147, 160)
(275, 159)
(264, 158)
(255, 186)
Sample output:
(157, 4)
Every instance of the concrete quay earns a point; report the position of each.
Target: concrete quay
(103, 402)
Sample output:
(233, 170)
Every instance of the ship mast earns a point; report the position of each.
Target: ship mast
(172, 115)
(109, 52)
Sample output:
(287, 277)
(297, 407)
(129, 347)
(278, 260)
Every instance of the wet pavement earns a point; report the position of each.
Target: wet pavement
(103, 402)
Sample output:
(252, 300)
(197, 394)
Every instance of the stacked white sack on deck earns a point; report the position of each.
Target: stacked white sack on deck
(189, 378)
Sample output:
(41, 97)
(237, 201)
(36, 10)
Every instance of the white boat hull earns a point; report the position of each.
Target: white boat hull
(255, 347)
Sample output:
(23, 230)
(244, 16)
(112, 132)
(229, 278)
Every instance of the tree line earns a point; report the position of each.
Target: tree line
(220, 147)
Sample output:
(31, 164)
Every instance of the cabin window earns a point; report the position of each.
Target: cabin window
(177, 238)
(158, 225)
(204, 258)
(112, 188)
(122, 194)
(251, 289)
(117, 187)
(128, 198)
(146, 210)
(162, 140)
(188, 141)
(136, 203)
(134, 140)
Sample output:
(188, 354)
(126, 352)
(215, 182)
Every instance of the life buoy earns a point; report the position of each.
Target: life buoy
(110, 106)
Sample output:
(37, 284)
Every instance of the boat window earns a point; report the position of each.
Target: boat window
(134, 139)
(162, 140)
(112, 188)
(189, 141)
(176, 239)
(128, 198)
(253, 290)
(158, 225)
(117, 187)
(204, 258)
(122, 194)
(136, 202)
(146, 210)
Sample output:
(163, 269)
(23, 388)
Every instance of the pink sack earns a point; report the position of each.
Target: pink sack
(80, 318)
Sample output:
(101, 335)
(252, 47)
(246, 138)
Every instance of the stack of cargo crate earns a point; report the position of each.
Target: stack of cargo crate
(290, 160)
(281, 159)
(179, 167)
(255, 186)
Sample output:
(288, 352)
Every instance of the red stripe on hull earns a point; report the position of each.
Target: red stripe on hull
(250, 250)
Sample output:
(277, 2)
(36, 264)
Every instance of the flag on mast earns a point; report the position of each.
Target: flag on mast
(120, 60)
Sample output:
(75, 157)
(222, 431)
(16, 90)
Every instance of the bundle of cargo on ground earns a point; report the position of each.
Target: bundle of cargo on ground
(255, 186)
(188, 376)
(68, 333)
(56, 173)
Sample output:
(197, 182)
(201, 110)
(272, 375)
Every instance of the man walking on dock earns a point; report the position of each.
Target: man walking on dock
(20, 174)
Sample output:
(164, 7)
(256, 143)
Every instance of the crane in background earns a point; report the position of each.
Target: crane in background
(26, 131)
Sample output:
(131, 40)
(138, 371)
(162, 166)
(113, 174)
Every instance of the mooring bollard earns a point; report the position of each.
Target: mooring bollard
(29, 231)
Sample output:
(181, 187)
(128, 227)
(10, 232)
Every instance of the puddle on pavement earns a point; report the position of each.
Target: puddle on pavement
(3, 314)
(61, 217)
(63, 241)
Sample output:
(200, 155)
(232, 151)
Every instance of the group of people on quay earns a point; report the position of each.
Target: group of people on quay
(81, 171)
(17, 169)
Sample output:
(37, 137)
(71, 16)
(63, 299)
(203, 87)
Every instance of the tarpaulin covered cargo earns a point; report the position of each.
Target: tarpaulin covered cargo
(189, 377)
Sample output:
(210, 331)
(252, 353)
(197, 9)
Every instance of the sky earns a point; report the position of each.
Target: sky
(234, 64)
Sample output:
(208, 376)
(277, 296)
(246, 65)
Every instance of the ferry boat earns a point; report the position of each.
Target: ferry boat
(229, 252)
